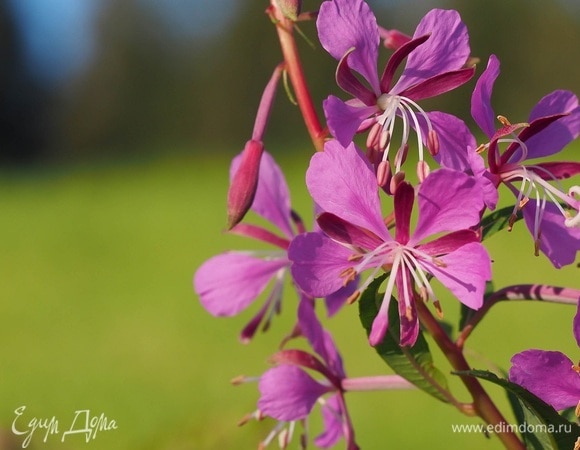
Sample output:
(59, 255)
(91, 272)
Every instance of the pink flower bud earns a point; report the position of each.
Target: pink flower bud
(393, 39)
(244, 183)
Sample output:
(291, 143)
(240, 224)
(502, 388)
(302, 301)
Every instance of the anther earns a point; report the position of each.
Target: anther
(481, 148)
(511, 222)
(504, 121)
(433, 142)
(373, 136)
(353, 297)
(409, 313)
(577, 412)
(401, 155)
(537, 246)
(355, 257)
(438, 309)
(397, 179)
(422, 170)
(383, 173)
(236, 381)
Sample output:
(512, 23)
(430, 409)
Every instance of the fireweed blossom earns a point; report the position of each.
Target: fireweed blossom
(356, 238)
(550, 375)
(230, 282)
(288, 393)
(436, 57)
(553, 123)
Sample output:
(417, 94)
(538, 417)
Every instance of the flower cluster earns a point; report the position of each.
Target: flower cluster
(365, 224)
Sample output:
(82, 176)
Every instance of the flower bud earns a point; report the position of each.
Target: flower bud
(244, 183)
(290, 8)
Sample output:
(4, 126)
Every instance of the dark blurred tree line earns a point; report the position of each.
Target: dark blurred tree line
(150, 90)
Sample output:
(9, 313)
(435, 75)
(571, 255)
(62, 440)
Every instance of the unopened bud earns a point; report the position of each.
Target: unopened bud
(290, 8)
(393, 39)
(244, 183)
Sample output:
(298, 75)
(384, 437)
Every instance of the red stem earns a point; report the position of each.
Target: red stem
(482, 403)
(285, 28)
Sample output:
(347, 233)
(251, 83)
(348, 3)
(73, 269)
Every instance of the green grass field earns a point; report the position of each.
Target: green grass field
(97, 313)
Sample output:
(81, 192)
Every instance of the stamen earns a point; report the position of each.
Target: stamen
(422, 170)
(401, 156)
(504, 121)
(577, 412)
(397, 179)
(383, 173)
(433, 143)
(438, 309)
(353, 297)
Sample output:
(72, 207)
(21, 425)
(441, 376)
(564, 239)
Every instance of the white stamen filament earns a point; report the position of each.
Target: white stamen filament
(408, 111)
(419, 275)
(543, 191)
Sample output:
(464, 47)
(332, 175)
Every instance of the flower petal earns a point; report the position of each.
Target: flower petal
(317, 263)
(576, 325)
(342, 182)
(557, 135)
(481, 109)
(343, 24)
(272, 198)
(230, 282)
(346, 233)
(454, 139)
(548, 375)
(332, 416)
(447, 49)
(320, 339)
(464, 272)
(558, 242)
(438, 213)
(344, 119)
(288, 393)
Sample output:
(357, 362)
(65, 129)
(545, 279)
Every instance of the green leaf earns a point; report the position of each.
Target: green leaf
(497, 221)
(415, 364)
(539, 424)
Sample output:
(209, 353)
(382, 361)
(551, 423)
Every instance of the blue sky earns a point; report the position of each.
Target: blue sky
(59, 35)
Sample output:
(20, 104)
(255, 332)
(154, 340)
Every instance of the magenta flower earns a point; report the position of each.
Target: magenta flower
(436, 57)
(356, 238)
(553, 123)
(289, 393)
(230, 282)
(550, 375)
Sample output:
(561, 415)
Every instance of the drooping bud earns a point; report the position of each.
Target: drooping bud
(244, 183)
(290, 8)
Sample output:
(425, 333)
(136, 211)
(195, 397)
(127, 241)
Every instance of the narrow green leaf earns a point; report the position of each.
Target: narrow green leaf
(539, 424)
(415, 364)
(497, 221)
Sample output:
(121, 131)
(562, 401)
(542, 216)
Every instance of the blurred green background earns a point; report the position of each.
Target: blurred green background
(117, 125)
